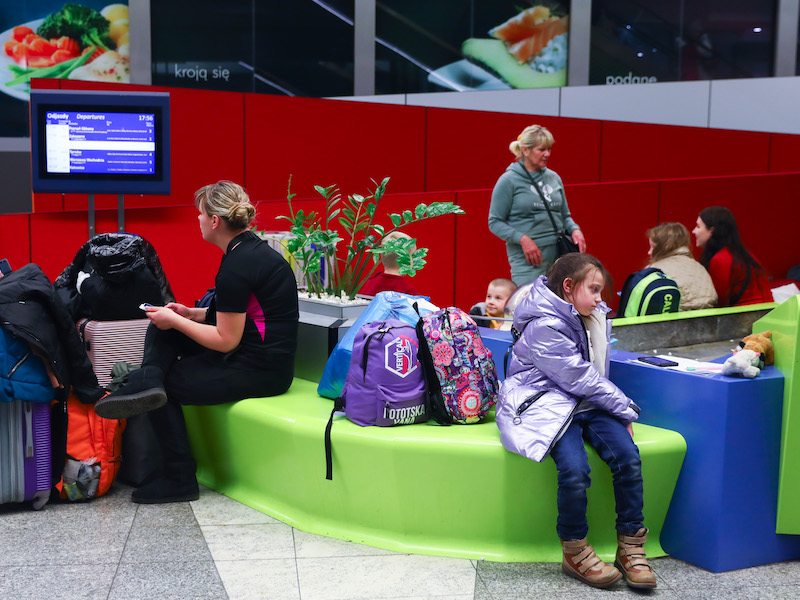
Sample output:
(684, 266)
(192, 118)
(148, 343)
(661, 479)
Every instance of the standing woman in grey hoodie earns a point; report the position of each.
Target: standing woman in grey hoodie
(517, 214)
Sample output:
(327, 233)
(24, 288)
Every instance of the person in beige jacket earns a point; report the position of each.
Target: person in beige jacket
(669, 251)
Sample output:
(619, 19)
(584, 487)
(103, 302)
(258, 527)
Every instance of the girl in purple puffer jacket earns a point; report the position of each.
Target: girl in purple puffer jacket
(557, 395)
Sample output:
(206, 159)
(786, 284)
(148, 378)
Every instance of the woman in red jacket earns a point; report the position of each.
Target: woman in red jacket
(738, 277)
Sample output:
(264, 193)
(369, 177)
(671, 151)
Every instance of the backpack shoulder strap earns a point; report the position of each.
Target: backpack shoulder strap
(338, 405)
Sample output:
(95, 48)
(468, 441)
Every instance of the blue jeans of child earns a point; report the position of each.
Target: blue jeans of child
(609, 437)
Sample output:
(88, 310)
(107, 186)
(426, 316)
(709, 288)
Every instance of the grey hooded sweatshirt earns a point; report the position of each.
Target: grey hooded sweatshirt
(518, 210)
(551, 375)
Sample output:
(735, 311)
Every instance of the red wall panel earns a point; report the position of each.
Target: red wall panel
(784, 153)
(480, 256)
(469, 149)
(56, 237)
(15, 239)
(635, 151)
(766, 232)
(207, 144)
(615, 218)
(614, 234)
(324, 142)
(48, 202)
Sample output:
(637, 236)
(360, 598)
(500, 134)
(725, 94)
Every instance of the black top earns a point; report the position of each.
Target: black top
(256, 280)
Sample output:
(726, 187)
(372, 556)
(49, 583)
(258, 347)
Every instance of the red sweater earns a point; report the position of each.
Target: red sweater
(383, 282)
(728, 277)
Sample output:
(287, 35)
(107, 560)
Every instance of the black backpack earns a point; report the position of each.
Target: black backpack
(648, 292)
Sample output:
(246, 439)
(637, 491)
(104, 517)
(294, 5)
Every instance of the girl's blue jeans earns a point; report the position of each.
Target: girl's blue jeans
(609, 437)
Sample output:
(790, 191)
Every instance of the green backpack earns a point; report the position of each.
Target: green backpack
(648, 292)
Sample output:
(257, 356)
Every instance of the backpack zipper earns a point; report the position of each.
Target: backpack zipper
(382, 330)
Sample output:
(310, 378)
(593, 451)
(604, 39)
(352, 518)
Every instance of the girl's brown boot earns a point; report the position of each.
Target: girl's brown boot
(583, 564)
(632, 562)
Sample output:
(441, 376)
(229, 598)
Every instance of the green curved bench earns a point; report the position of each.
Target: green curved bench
(424, 489)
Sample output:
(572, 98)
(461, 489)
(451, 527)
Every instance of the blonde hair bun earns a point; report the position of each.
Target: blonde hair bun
(227, 200)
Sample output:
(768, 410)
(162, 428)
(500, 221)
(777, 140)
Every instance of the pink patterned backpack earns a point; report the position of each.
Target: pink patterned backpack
(460, 375)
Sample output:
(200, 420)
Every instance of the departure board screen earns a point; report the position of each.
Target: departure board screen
(100, 142)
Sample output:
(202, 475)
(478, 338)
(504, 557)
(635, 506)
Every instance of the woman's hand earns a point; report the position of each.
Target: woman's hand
(577, 237)
(193, 314)
(629, 427)
(532, 253)
(163, 317)
(181, 309)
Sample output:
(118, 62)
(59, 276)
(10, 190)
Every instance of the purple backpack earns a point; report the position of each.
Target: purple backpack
(459, 370)
(385, 385)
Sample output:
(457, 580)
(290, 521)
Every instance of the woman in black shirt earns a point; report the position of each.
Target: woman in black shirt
(241, 346)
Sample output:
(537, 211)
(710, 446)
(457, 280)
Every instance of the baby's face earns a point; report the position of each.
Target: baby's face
(496, 298)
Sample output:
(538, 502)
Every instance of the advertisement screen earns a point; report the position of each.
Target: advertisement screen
(83, 41)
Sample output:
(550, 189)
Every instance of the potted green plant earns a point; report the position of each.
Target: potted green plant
(332, 271)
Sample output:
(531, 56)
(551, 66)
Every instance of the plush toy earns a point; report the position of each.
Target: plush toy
(760, 344)
(743, 363)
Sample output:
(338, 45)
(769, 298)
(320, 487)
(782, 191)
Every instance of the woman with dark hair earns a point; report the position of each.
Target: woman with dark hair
(738, 277)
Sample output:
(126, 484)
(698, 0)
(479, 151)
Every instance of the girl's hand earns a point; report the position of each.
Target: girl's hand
(577, 237)
(532, 253)
(629, 427)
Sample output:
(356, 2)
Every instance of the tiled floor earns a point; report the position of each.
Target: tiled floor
(216, 548)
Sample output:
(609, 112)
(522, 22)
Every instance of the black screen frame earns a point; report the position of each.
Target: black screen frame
(157, 103)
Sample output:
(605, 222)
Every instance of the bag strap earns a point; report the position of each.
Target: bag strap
(82, 332)
(544, 200)
(434, 402)
(338, 406)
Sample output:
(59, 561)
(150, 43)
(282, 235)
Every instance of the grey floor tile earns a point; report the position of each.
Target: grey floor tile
(173, 514)
(74, 581)
(481, 591)
(65, 543)
(683, 576)
(150, 544)
(618, 592)
(257, 579)
(378, 577)
(309, 545)
(249, 542)
(445, 597)
(213, 508)
(750, 593)
(189, 580)
(521, 581)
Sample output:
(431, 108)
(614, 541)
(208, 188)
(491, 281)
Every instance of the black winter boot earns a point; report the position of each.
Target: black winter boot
(164, 490)
(143, 392)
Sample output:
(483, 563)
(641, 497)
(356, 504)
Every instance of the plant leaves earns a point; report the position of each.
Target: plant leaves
(396, 219)
(408, 216)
